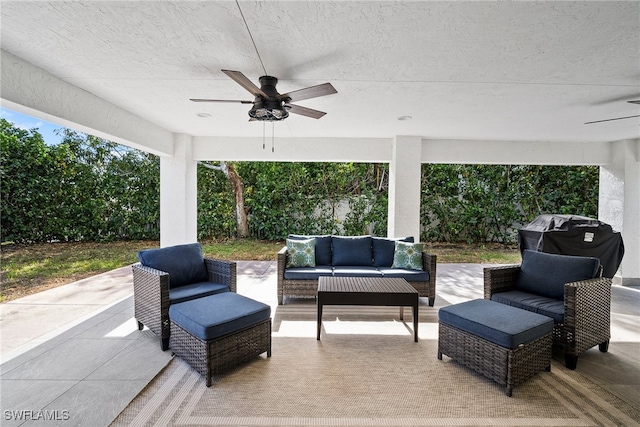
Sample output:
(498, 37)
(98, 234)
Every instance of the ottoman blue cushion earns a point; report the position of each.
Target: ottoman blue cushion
(499, 323)
(217, 315)
(184, 263)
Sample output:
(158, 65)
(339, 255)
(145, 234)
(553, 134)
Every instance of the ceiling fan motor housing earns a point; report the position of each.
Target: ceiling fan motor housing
(271, 108)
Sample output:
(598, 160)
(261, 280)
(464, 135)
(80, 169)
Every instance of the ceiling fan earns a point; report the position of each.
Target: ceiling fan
(617, 118)
(269, 105)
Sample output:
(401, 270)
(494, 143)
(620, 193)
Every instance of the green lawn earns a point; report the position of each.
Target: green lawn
(27, 269)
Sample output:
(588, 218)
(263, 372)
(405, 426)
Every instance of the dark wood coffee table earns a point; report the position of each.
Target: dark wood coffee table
(367, 291)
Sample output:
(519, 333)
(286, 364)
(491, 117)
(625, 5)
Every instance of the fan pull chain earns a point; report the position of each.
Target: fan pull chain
(273, 139)
(263, 135)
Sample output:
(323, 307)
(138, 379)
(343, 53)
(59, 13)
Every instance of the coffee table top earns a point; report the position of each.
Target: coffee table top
(365, 285)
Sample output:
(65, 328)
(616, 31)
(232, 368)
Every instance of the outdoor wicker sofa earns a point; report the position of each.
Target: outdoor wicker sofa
(359, 256)
(569, 289)
(175, 274)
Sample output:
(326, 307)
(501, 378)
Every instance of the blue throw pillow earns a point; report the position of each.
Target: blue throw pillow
(184, 263)
(545, 274)
(352, 251)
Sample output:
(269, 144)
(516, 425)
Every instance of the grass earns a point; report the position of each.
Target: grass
(28, 269)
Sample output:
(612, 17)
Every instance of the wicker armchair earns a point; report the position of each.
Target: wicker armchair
(587, 308)
(152, 289)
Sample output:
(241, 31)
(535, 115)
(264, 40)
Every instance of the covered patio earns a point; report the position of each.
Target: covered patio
(417, 82)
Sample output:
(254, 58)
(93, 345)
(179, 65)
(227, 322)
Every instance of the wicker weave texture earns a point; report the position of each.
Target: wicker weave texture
(308, 288)
(221, 354)
(587, 309)
(151, 293)
(508, 367)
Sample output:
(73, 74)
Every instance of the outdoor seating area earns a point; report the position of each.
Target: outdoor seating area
(125, 370)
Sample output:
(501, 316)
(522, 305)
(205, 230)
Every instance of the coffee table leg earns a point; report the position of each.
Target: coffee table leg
(319, 319)
(415, 322)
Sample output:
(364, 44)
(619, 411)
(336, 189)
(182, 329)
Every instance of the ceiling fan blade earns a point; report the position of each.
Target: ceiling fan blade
(309, 92)
(243, 81)
(220, 100)
(609, 120)
(634, 102)
(304, 111)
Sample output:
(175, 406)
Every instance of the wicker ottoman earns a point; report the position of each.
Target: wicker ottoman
(218, 332)
(504, 343)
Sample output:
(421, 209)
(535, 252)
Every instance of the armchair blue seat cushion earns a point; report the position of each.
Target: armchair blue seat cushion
(184, 263)
(384, 249)
(195, 290)
(545, 274)
(350, 251)
(550, 307)
(218, 315)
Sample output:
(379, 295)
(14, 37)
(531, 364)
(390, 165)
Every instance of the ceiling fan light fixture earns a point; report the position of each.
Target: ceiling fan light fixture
(268, 111)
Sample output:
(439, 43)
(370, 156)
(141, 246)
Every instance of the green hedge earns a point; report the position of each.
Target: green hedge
(87, 188)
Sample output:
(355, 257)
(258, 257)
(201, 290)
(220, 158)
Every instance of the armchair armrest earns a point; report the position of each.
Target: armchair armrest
(499, 279)
(587, 313)
(224, 272)
(151, 300)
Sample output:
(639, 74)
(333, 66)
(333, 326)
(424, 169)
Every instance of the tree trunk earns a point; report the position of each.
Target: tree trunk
(242, 223)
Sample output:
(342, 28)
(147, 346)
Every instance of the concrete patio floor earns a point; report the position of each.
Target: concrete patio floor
(75, 353)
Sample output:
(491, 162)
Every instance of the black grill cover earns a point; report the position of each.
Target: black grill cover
(574, 235)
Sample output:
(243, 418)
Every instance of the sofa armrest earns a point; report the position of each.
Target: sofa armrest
(282, 263)
(224, 272)
(500, 279)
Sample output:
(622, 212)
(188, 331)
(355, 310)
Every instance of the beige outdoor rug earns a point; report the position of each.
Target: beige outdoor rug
(366, 371)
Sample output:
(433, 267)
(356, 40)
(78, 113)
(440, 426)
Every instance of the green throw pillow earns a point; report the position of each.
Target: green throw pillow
(408, 256)
(301, 253)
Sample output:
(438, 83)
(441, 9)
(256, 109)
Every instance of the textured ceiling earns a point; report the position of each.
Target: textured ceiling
(462, 70)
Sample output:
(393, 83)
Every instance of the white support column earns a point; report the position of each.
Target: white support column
(619, 205)
(179, 194)
(404, 187)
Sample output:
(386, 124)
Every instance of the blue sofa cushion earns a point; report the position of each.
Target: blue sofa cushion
(549, 307)
(308, 273)
(499, 323)
(383, 250)
(323, 247)
(352, 251)
(356, 271)
(195, 290)
(301, 253)
(184, 263)
(218, 315)
(408, 275)
(545, 274)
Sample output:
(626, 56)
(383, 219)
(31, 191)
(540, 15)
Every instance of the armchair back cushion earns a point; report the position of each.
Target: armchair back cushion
(184, 263)
(349, 251)
(545, 274)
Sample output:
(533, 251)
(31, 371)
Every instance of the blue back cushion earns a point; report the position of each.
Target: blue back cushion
(545, 274)
(383, 250)
(352, 250)
(323, 247)
(184, 263)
